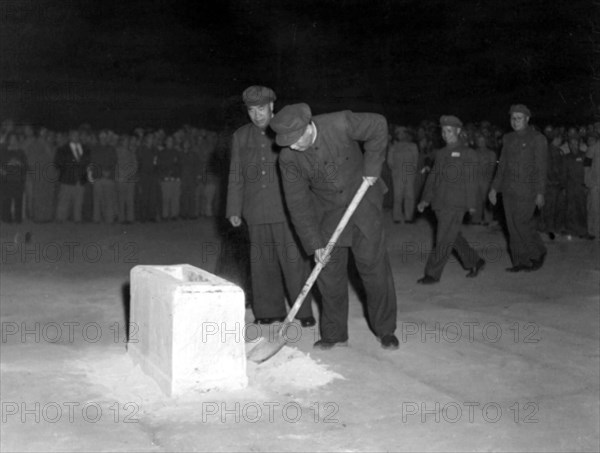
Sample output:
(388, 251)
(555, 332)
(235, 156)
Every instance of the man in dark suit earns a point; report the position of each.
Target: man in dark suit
(71, 161)
(521, 177)
(322, 167)
(254, 194)
(451, 190)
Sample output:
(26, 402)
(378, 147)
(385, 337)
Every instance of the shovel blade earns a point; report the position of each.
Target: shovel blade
(265, 349)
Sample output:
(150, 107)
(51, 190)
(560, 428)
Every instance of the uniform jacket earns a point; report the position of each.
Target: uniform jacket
(319, 183)
(522, 166)
(70, 169)
(403, 160)
(254, 189)
(453, 181)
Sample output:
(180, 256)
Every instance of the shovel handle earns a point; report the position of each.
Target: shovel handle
(328, 249)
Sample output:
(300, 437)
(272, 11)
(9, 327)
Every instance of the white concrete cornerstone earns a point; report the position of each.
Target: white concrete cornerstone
(189, 328)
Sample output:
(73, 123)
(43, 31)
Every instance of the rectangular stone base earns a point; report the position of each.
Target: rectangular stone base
(189, 325)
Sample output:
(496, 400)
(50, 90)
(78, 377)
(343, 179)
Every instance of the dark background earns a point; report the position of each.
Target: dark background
(126, 63)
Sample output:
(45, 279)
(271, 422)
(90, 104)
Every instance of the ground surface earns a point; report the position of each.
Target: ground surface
(503, 362)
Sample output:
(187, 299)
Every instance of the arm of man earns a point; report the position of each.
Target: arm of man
(372, 129)
(235, 185)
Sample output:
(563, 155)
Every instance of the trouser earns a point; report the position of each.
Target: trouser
(171, 193)
(70, 199)
(449, 238)
(550, 215)
(576, 210)
(483, 213)
(12, 195)
(524, 241)
(104, 200)
(149, 198)
(188, 200)
(373, 265)
(274, 253)
(593, 211)
(404, 197)
(126, 197)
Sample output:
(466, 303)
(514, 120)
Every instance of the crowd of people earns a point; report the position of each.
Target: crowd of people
(87, 175)
(149, 175)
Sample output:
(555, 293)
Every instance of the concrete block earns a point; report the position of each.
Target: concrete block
(190, 324)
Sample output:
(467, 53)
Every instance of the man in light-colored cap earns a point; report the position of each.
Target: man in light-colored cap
(521, 177)
(322, 166)
(451, 190)
(254, 194)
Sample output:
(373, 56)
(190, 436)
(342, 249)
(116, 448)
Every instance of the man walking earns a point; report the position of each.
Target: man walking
(254, 194)
(322, 167)
(521, 177)
(451, 190)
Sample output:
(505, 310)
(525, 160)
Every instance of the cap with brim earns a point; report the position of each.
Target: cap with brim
(519, 108)
(450, 120)
(258, 95)
(290, 123)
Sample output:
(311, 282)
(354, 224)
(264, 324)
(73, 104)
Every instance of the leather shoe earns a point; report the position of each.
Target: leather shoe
(390, 341)
(268, 320)
(537, 264)
(309, 321)
(326, 345)
(427, 280)
(518, 268)
(474, 272)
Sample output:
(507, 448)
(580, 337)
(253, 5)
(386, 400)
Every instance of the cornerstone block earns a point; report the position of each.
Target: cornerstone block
(190, 328)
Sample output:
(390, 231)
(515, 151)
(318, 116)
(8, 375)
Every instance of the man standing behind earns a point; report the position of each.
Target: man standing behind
(322, 168)
(451, 190)
(521, 177)
(254, 194)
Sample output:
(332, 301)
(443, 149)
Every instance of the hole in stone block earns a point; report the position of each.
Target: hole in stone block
(185, 274)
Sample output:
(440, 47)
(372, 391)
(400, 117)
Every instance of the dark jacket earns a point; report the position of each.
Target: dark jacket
(254, 190)
(522, 167)
(70, 169)
(319, 183)
(454, 179)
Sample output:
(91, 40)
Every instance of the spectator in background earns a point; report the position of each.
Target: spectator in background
(169, 173)
(592, 181)
(71, 161)
(125, 178)
(103, 162)
(576, 191)
(486, 166)
(190, 163)
(552, 215)
(41, 177)
(13, 171)
(148, 191)
(402, 159)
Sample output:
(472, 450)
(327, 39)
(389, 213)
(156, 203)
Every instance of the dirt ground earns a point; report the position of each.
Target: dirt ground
(503, 362)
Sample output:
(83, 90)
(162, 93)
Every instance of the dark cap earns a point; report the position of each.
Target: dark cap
(258, 95)
(519, 108)
(450, 120)
(290, 123)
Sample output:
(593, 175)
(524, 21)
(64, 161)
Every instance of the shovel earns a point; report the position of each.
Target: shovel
(265, 349)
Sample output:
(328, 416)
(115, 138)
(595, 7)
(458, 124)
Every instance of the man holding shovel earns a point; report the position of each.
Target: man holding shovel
(254, 194)
(322, 166)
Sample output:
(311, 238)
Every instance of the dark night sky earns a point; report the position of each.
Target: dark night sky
(407, 58)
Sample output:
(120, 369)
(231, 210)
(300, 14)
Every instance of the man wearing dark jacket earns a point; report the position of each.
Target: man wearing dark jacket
(451, 190)
(322, 167)
(521, 177)
(254, 194)
(71, 161)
